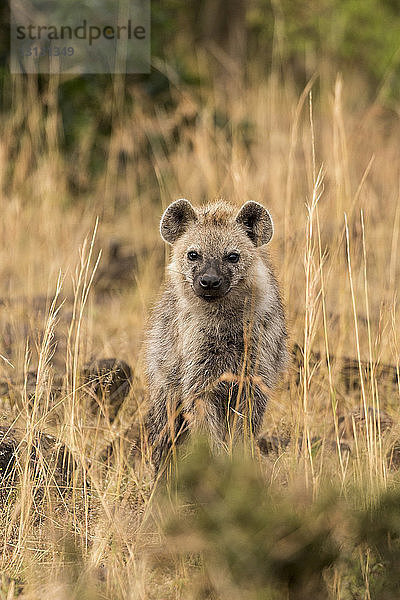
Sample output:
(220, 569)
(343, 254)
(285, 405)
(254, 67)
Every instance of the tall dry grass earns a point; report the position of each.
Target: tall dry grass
(329, 173)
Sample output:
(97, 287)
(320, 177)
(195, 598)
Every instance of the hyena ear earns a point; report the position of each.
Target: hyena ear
(257, 222)
(176, 219)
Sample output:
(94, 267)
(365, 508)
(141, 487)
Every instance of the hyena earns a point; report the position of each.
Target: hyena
(217, 343)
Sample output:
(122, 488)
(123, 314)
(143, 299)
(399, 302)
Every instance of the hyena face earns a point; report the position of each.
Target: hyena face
(214, 249)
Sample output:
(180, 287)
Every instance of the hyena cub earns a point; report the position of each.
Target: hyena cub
(218, 338)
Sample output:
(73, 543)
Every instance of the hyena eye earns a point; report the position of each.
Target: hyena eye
(192, 255)
(233, 257)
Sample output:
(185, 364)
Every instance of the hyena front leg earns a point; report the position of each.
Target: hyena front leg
(214, 412)
(165, 426)
(244, 406)
(258, 405)
(204, 414)
(226, 412)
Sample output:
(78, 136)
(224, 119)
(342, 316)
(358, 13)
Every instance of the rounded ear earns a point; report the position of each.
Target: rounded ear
(175, 220)
(257, 222)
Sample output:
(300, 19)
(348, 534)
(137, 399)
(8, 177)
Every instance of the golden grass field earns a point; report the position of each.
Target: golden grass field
(326, 165)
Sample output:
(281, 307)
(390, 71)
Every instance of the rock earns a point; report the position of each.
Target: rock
(119, 270)
(381, 421)
(49, 460)
(108, 382)
(272, 444)
(348, 369)
(277, 445)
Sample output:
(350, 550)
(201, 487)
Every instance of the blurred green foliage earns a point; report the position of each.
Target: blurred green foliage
(361, 37)
(256, 540)
(250, 539)
(377, 530)
(347, 34)
(193, 43)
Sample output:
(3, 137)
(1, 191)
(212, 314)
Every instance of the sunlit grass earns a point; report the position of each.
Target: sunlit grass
(328, 176)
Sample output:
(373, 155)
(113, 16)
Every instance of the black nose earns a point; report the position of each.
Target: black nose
(210, 282)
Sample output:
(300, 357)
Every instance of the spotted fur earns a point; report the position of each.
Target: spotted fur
(211, 364)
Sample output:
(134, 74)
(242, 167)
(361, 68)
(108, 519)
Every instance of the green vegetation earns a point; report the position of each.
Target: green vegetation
(264, 541)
